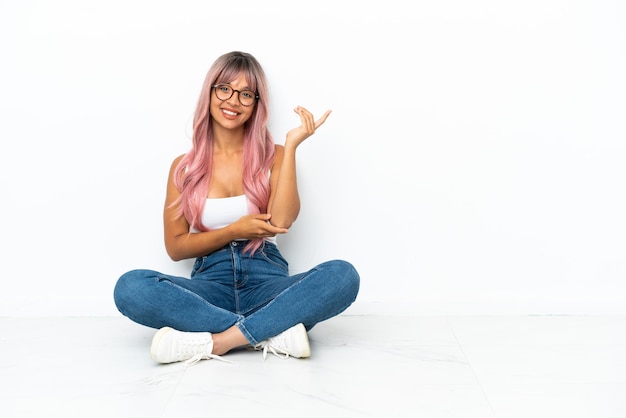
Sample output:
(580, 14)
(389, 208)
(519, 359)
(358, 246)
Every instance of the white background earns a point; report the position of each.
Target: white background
(474, 161)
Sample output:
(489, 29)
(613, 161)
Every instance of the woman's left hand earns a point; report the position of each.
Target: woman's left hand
(297, 135)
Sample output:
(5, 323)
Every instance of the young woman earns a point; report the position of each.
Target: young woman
(227, 199)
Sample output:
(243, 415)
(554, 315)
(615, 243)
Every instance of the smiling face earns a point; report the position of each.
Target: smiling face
(230, 113)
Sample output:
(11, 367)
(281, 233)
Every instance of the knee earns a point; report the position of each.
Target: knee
(346, 276)
(122, 289)
(127, 288)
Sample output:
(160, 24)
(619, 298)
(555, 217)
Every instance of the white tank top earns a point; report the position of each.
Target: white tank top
(223, 211)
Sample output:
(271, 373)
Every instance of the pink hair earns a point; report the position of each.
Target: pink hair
(193, 174)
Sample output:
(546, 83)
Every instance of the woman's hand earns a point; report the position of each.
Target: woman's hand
(256, 226)
(297, 135)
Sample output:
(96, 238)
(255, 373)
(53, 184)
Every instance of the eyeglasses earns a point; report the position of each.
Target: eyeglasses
(225, 92)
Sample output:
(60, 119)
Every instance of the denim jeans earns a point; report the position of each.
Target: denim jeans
(228, 287)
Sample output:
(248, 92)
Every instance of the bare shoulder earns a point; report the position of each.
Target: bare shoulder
(173, 167)
(176, 162)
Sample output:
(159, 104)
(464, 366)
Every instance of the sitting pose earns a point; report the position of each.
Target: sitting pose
(227, 199)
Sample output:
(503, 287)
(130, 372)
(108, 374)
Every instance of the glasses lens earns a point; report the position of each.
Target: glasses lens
(223, 92)
(247, 97)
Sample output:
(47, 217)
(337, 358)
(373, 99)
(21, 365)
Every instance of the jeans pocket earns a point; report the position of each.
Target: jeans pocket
(197, 265)
(274, 257)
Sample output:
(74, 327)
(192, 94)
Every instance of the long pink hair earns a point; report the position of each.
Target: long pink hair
(193, 174)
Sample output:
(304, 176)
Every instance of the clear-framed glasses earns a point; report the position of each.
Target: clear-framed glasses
(225, 92)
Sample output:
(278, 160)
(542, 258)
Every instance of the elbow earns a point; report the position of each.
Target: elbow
(176, 258)
(173, 255)
(285, 225)
(285, 218)
(283, 222)
(173, 252)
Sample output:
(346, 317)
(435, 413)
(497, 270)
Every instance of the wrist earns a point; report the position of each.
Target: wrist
(290, 148)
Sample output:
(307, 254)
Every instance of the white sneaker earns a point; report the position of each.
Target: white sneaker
(170, 345)
(294, 342)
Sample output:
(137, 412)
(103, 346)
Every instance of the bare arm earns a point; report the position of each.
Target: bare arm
(181, 244)
(284, 204)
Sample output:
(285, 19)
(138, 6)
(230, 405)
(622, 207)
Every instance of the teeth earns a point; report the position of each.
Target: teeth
(228, 112)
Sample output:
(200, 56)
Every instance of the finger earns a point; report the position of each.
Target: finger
(322, 119)
(275, 229)
(306, 118)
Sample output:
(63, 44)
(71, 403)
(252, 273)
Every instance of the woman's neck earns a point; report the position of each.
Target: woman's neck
(228, 142)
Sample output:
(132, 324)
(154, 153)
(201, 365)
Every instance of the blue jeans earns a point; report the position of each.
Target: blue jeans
(228, 287)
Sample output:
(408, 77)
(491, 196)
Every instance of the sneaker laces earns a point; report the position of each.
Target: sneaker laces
(198, 348)
(203, 356)
(275, 345)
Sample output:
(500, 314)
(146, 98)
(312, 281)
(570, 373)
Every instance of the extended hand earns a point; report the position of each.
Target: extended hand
(297, 135)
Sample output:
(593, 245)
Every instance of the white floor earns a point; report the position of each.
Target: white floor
(361, 366)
